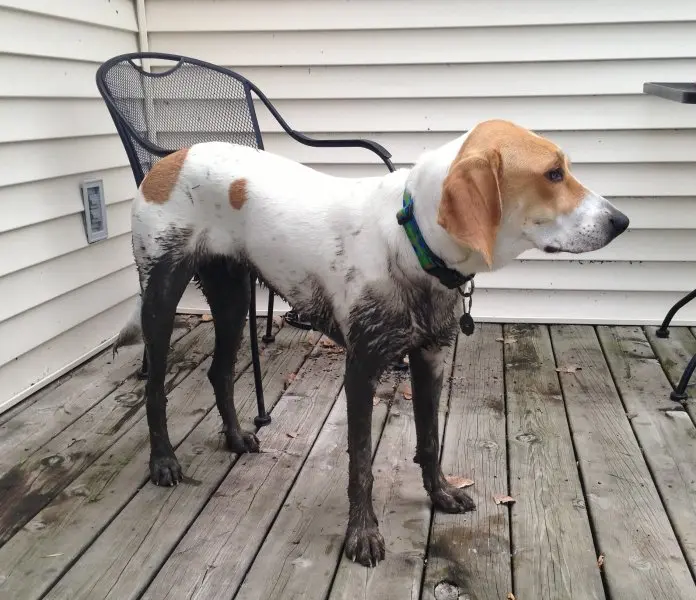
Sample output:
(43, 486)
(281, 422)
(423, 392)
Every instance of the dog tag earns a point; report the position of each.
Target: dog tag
(466, 324)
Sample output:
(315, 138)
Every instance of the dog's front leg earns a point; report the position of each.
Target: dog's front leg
(426, 382)
(364, 542)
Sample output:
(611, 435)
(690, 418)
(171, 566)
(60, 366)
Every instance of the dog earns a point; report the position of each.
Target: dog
(377, 262)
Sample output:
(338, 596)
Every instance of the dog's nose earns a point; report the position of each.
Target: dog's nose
(619, 223)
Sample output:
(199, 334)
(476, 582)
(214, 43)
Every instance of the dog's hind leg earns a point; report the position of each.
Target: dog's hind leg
(227, 289)
(166, 281)
(426, 383)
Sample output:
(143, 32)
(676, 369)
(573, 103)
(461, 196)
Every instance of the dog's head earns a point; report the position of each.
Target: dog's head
(507, 182)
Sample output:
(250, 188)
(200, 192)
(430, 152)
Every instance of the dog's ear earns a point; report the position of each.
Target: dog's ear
(470, 208)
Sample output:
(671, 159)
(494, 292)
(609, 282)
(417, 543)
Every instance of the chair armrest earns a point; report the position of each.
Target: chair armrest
(378, 149)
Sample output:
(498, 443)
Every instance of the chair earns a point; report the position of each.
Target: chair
(679, 393)
(185, 101)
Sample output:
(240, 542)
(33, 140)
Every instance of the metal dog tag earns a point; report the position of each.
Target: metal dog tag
(466, 324)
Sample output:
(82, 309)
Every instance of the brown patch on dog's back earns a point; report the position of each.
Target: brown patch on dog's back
(238, 193)
(160, 181)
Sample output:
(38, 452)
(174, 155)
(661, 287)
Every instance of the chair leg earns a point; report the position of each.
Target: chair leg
(142, 372)
(269, 337)
(663, 332)
(679, 393)
(262, 418)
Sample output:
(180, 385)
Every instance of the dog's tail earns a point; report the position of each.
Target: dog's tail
(132, 331)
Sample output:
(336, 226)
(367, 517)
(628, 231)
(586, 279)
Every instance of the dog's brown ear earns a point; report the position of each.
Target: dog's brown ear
(470, 208)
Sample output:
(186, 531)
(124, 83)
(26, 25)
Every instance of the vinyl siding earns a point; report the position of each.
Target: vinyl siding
(412, 74)
(60, 297)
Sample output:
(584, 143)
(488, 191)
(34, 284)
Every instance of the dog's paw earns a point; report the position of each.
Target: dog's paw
(450, 499)
(365, 545)
(242, 442)
(165, 470)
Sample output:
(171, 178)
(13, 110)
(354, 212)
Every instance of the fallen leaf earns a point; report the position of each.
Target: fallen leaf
(568, 369)
(511, 596)
(376, 400)
(459, 482)
(600, 560)
(406, 391)
(206, 317)
(289, 378)
(503, 499)
(291, 435)
(328, 343)
(508, 339)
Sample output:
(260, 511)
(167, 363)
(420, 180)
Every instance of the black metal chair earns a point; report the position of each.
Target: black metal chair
(184, 101)
(679, 393)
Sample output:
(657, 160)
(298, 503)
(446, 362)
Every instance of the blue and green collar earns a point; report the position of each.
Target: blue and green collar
(431, 263)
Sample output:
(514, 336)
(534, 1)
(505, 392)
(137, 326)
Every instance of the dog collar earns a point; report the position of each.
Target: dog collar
(429, 261)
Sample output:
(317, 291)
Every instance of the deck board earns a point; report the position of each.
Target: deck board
(83, 522)
(403, 511)
(642, 559)
(30, 485)
(212, 558)
(470, 553)
(674, 353)
(663, 428)
(138, 540)
(554, 554)
(25, 428)
(299, 556)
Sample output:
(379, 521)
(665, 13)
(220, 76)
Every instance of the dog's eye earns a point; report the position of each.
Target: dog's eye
(555, 175)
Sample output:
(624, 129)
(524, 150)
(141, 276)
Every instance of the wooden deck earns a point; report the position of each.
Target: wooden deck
(573, 422)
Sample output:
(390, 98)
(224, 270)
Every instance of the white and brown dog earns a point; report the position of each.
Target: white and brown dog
(334, 249)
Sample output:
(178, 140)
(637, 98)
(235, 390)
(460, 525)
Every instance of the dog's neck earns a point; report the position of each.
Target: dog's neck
(424, 182)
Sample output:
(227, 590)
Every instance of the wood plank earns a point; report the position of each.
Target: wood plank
(119, 14)
(48, 362)
(618, 179)
(37, 325)
(29, 486)
(26, 428)
(144, 522)
(212, 558)
(43, 159)
(24, 119)
(42, 35)
(554, 556)
(642, 557)
(471, 552)
(664, 430)
(300, 553)
(584, 147)
(274, 15)
(675, 352)
(447, 80)
(37, 243)
(432, 46)
(543, 113)
(55, 198)
(63, 275)
(568, 306)
(34, 76)
(403, 510)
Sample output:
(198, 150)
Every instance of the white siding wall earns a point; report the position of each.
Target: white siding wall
(59, 298)
(413, 74)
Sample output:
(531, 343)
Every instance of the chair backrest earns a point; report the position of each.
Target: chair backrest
(181, 102)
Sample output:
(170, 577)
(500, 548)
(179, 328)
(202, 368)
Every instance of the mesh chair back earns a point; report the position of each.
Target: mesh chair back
(181, 102)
